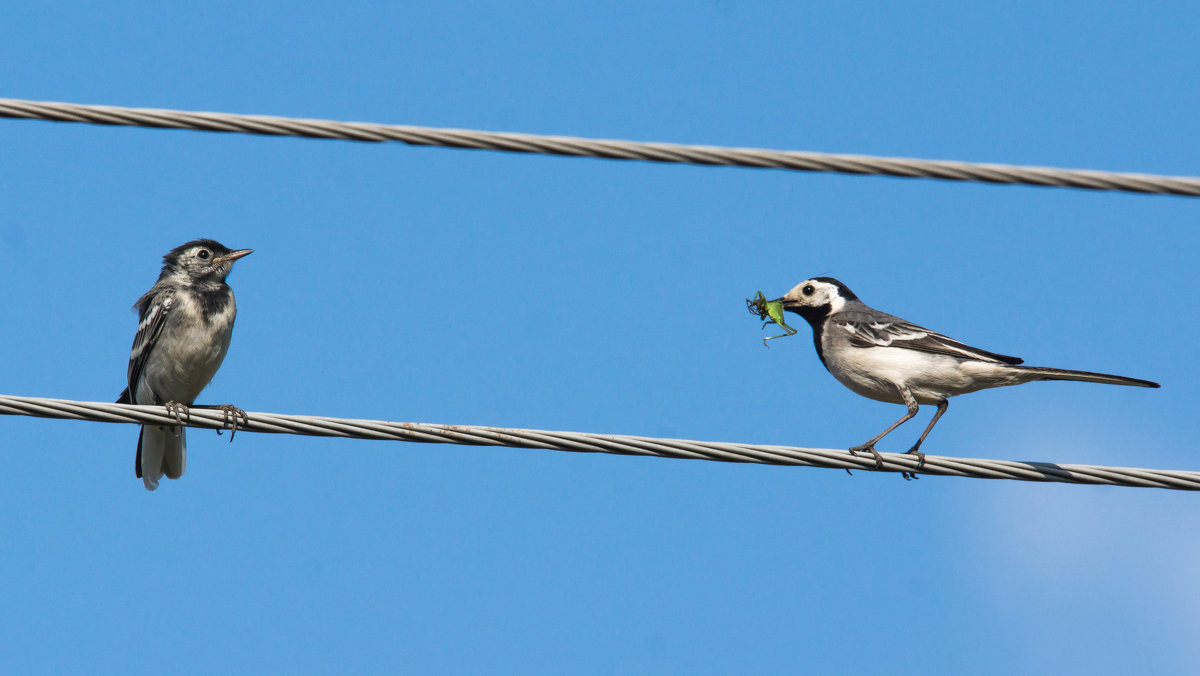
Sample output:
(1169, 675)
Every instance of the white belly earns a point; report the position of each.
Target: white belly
(877, 373)
(184, 360)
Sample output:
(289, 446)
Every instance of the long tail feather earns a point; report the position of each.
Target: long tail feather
(1046, 373)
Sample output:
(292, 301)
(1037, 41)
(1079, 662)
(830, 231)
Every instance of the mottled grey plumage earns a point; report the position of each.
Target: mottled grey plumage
(885, 358)
(185, 322)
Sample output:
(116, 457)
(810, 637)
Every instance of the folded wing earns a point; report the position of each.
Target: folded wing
(873, 331)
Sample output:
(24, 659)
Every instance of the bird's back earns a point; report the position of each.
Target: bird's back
(862, 326)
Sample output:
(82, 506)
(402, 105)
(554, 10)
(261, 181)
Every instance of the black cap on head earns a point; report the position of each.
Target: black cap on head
(843, 290)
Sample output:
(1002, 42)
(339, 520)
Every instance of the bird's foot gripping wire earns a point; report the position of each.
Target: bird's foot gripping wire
(908, 476)
(234, 418)
(855, 450)
(180, 413)
(920, 462)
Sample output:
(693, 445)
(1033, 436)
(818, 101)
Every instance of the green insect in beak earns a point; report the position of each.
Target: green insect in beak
(768, 311)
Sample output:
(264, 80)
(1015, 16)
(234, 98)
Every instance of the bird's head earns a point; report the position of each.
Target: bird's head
(817, 298)
(201, 260)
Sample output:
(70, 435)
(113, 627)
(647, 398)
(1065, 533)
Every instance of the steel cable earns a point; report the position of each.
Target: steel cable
(583, 442)
(608, 149)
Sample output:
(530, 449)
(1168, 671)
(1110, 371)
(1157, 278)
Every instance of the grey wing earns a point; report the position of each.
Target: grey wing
(891, 331)
(154, 309)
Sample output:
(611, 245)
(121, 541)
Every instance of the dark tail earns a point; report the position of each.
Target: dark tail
(1045, 373)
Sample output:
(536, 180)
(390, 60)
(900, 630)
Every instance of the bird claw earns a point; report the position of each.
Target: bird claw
(919, 454)
(854, 450)
(180, 413)
(232, 419)
(909, 476)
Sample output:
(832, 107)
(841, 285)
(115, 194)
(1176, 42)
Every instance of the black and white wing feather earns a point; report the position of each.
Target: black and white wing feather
(153, 310)
(879, 330)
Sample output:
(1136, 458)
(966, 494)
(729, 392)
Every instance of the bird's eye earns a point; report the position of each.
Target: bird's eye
(202, 254)
(808, 290)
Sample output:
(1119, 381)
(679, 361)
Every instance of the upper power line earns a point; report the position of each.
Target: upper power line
(608, 149)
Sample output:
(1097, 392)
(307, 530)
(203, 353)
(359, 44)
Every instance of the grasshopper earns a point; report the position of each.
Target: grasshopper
(769, 311)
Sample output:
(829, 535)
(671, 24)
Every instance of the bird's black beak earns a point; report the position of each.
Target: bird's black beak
(233, 256)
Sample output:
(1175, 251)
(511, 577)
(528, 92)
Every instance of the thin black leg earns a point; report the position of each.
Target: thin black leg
(941, 408)
(911, 403)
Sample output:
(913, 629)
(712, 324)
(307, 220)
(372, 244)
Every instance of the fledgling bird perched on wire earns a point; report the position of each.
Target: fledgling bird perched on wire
(887, 359)
(185, 322)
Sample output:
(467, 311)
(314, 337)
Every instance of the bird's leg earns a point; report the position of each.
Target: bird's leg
(941, 408)
(870, 445)
(179, 412)
(233, 419)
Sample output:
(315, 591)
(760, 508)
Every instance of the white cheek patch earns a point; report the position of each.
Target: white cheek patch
(836, 302)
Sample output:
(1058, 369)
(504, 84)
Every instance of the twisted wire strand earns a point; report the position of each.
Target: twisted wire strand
(583, 442)
(600, 148)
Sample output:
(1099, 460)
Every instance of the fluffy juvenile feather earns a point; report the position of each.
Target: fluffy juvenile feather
(185, 322)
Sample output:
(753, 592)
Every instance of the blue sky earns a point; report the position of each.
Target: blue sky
(451, 286)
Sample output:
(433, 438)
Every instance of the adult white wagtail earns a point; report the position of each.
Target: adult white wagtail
(185, 322)
(885, 358)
